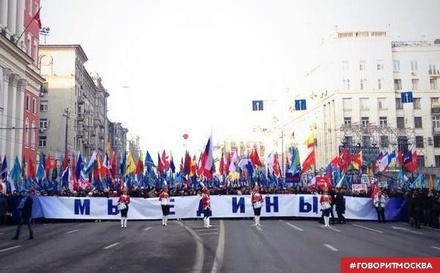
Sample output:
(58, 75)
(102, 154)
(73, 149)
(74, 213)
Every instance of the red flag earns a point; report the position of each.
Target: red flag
(165, 162)
(255, 158)
(114, 164)
(309, 161)
(31, 170)
(412, 165)
(160, 166)
(276, 166)
(139, 167)
(207, 159)
(37, 18)
(47, 166)
(344, 160)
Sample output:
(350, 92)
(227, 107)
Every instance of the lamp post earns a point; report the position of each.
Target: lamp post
(66, 115)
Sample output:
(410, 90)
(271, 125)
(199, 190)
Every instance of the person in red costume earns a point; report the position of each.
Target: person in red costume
(257, 203)
(206, 206)
(164, 199)
(326, 201)
(124, 198)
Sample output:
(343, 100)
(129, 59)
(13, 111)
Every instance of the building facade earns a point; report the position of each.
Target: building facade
(356, 98)
(20, 81)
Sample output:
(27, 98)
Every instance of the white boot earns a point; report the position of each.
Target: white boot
(163, 220)
(205, 224)
(166, 220)
(125, 221)
(208, 222)
(327, 221)
(122, 222)
(258, 221)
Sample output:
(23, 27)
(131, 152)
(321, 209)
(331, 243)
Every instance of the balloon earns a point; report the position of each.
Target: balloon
(185, 136)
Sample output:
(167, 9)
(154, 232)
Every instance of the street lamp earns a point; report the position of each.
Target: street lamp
(66, 115)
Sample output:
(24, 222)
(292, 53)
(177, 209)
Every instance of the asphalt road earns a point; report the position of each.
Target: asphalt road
(229, 246)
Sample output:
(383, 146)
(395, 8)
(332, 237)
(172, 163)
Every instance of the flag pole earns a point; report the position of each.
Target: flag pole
(27, 26)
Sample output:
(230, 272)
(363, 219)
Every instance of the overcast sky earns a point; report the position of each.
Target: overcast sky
(194, 66)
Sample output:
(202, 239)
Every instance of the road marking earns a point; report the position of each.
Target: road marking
(110, 246)
(367, 228)
(295, 227)
(220, 251)
(407, 230)
(436, 247)
(147, 228)
(332, 248)
(207, 233)
(9, 248)
(333, 228)
(200, 252)
(72, 231)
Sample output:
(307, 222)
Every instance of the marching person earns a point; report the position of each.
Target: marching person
(25, 208)
(379, 203)
(123, 202)
(164, 199)
(206, 206)
(340, 205)
(326, 206)
(257, 203)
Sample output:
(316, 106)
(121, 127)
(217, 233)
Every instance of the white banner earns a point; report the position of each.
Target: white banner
(228, 206)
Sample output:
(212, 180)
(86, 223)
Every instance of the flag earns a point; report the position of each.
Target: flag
(79, 167)
(92, 162)
(160, 167)
(207, 159)
(114, 164)
(172, 166)
(223, 168)
(276, 166)
(309, 161)
(340, 183)
(187, 164)
(40, 166)
(106, 166)
(16, 171)
(344, 160)
(131, 165)
(411, 161)
(431, 182)
(123, 163)
(165, 161)
(255, 158)
(149, 160)
(139, 167)
(357, 161)
(310, 141)
(295, 163)
(4, 168)
(37, 18)
(31, 170)
(48, 166)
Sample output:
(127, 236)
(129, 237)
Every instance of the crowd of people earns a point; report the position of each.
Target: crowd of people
(423, 205)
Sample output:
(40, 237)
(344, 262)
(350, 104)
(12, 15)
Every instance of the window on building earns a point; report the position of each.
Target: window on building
(42, 141)
(347, 122)
(363, 84)
(27, 102)
(436, 123)
(347, 104)
(399, 104)
(383, 122)
(436, 141)
(400, 122)
(433, 84)
(44, 123)
(419, 142)
(437, 161)
(417, 103)
(397, 84)
(345, 65)
(346, 84)
(396, 66)
(362, 65)
(379, 65)
(384, 141)
(364, 103)
(365, 121)
(366, 141)
(381, 102)
(26, 133)
(418, 122)
(34, 106)
(414, 65)
(421, 161)
(432, 70)
(415, 84)
(43, 106)
(379, 84)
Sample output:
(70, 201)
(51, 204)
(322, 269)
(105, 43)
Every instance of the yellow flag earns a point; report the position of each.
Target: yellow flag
(131, 165)
(310, 141)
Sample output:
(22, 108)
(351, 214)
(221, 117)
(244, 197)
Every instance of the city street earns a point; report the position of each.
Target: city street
(229, 246)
